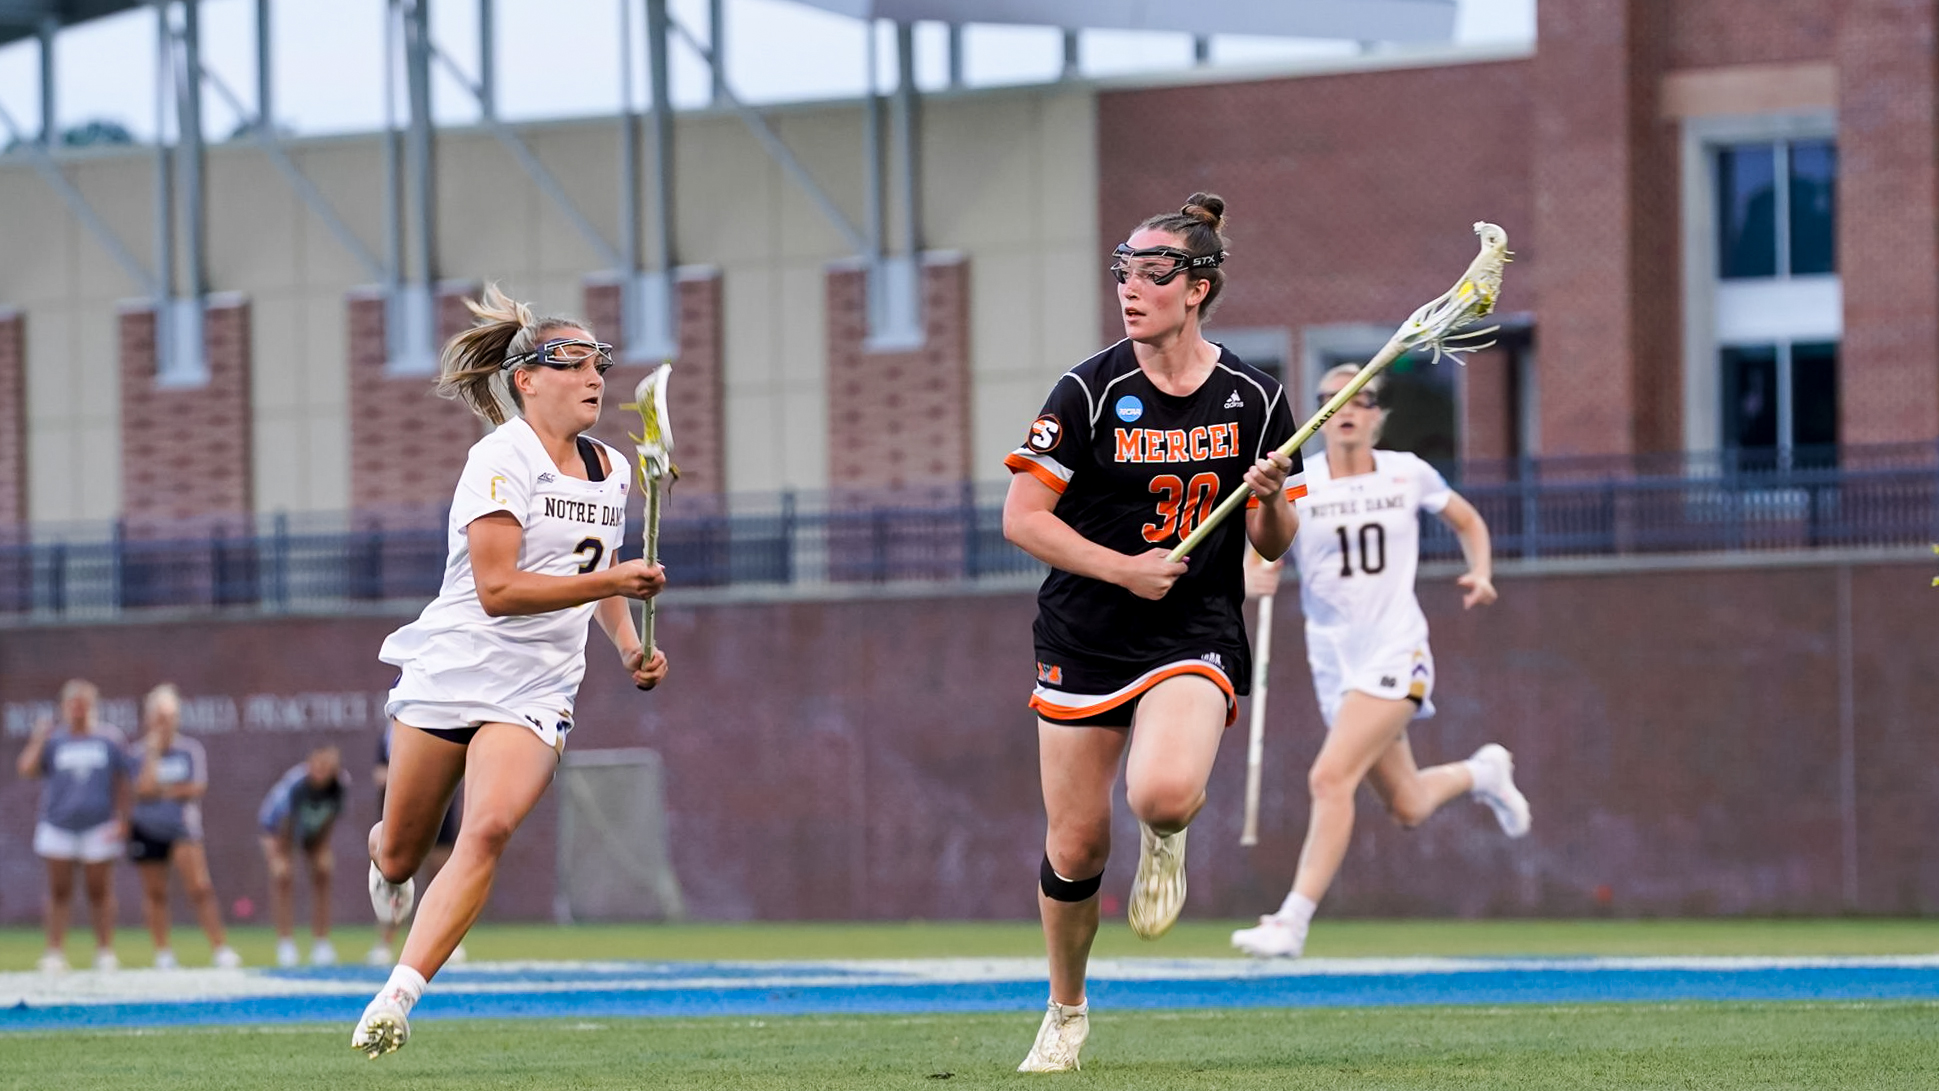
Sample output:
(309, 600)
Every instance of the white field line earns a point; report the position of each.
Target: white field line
(166, 986)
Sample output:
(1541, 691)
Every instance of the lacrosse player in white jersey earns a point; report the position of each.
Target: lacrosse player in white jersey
(492, 666)
(1366, 640)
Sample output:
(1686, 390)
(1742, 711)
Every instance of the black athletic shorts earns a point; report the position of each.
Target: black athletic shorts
(1084, 692)
(144, 849)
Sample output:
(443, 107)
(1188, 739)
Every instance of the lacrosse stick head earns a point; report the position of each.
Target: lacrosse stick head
(654, 444)
(1442, 323)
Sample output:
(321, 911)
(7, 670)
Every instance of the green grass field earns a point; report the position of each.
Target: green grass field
(1725, 1046)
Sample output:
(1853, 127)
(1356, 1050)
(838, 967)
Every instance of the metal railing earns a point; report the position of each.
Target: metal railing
(1848, 497)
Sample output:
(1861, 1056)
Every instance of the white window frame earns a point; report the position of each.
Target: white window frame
(1778, 311)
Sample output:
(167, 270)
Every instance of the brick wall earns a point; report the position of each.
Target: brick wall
(1888, 220)
(899, 420)
(1704, 33)
(186, 451)
(13, 418)
(407, 445)
(696, 393)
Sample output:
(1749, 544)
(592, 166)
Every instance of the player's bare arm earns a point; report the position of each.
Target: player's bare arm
(1270, 527)
(1030, 521)
(505, 590)
(617, 621)
(1471, 530)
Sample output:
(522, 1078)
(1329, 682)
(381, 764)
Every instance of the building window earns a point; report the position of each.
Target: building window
(1776, 209)
(1780, 404)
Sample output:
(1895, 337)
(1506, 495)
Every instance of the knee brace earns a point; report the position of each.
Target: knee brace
(1059, 889)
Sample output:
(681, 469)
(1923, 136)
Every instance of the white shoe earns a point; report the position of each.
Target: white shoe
(458, 956)
(286, 954)
(391, 901)
(1058, 1039)
(1496, 788)
(165, 960)
(105, 961)
(378, 956)
(384, 1028)
(52, 962)
(227, 958)
(322, 953)
(1158, 893)
(1275, 937)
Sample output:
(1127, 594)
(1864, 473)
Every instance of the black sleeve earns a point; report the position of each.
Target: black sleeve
(1053, 449)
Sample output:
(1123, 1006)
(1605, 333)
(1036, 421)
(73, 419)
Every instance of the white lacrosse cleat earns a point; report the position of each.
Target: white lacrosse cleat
(165, 960)
(1275, 937)
(379, 956)
(1059, 1038)
(286, 953)
(52, 962)
(105, 961)
(391, 902)
(385, 1026)
(227, 958)
(1494, 784)
(322, 953)
(1158, 892)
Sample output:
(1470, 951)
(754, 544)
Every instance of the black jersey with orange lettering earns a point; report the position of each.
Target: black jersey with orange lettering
(1135, 469)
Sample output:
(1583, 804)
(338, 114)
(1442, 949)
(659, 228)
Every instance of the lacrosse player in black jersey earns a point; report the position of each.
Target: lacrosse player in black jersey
(1132, 449)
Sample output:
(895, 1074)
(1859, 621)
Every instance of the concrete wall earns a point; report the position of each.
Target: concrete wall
(1718, 741)
(1009, 180)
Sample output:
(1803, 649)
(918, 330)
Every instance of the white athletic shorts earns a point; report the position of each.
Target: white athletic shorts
(91, 846)
(551, 723)
(1395, 673)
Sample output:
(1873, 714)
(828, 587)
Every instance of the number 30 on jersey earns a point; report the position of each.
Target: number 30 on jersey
(1181, 505)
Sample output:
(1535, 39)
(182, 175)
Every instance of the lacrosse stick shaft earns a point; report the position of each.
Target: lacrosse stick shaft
(1256, 741)
(1387, 355)
(652, 556)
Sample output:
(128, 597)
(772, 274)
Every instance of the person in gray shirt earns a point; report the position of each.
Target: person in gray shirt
(171, 775)
(84, 802)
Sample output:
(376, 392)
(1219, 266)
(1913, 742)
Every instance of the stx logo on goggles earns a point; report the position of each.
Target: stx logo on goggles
(1177, 444)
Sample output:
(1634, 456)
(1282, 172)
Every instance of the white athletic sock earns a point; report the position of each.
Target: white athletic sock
(1082, 1007)
(1483, 774)
(405, 986)
(1297, 910)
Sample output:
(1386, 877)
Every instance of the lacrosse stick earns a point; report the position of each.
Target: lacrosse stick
(1256, 741)
(654, 446)
(1435, 325)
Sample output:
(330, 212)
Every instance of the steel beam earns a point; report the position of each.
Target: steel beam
(50, 172)
(1072, 66)
(189, 153)
(487, 59)
(955, 55)
(903, 117)
(393, 155)
(419, 166)
(265, 72)
(164, 171)
(50, 128)
(717, 36)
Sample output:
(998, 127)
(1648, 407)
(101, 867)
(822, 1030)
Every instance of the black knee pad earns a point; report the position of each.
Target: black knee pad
(1059, 889)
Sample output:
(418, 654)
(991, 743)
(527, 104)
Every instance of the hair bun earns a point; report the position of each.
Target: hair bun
(1206, 208)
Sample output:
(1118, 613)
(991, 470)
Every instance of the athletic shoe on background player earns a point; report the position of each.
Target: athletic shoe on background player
(322, 953)
(52, 962)
(286, 953)
(378, 956)
(1158, 893)
(1059, 1038)
(1275, 937)
(165, 960)
(458, 956)
(1494, 784)
(105, 961)
(391, 901)
(227, 958)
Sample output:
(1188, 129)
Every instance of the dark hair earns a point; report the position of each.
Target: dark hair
(1201, 224)
(473, 361)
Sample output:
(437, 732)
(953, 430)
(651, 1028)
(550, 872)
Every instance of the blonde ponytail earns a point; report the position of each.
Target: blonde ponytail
(471, 369)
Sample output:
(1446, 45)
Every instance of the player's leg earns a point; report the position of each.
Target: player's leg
(191, 862)
(60, 901)
(97, 876)
(323, 868)
(387, 929)
(424, 772)
(508, 768)
(1413, 794)
(1078, 765)
(1174, 740)
(282, 908)
(154, 907)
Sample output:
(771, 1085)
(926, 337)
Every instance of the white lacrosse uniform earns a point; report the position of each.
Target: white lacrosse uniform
(462, 667)
(1357, 551)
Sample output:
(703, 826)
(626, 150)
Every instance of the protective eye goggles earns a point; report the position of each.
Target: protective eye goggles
(1157, 264)
(566, 354)
(1360, 400)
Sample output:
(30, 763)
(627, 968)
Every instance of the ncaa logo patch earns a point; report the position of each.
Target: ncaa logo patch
(1129, 408)
(1046, 432)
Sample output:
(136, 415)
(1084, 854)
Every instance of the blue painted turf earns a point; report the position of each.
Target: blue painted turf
(656, 989)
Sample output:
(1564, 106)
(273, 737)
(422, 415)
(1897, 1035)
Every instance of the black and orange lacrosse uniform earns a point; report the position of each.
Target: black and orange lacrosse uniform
(1136, 469)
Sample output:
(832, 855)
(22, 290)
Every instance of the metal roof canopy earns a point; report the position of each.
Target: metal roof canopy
(23, 18)
(1356, 20)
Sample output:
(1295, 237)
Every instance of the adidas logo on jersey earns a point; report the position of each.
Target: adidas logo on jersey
(1233, 401)
(547, 478)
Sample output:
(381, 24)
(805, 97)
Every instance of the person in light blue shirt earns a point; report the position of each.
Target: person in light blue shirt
(171, 774)
(297, 816)
(84, 802)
